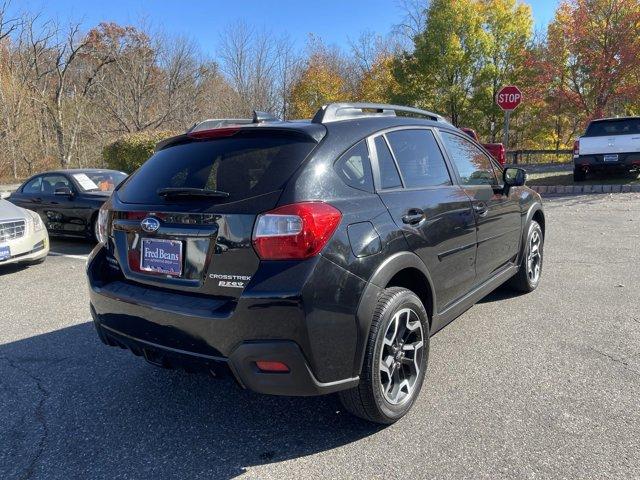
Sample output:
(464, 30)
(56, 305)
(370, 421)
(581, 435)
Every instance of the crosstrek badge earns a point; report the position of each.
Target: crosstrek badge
(230, 281)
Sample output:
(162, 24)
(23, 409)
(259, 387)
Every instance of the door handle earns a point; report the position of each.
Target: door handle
(413, 216)
(481, 209)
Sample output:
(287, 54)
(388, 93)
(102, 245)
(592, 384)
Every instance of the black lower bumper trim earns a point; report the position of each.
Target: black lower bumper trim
(299, 381)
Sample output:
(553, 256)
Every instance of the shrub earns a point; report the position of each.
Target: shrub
(133, 149)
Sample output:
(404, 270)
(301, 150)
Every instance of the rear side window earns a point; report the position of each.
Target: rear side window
(623, 126)
(419, 158)
(245, 165)
(472, 164)
(354, 167)
(389, 177)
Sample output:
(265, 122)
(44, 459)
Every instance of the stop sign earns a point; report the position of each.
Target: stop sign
(509, 97)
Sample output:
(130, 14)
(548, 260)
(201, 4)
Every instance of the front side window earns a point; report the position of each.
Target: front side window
(354, 167)
(419, 158)
(473, 166)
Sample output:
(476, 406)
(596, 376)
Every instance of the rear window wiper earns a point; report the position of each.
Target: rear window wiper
(191, 192)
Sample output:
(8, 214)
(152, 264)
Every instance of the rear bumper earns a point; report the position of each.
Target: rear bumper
(173, 329)
(625, 162)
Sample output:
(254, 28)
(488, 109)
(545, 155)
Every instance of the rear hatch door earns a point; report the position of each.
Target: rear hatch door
(185, 219)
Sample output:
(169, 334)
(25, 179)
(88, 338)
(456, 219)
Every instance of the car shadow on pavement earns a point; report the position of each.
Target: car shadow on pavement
(71, 407)
(71, 246)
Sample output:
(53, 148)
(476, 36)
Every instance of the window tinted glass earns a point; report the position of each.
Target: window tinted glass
(34, 186)
(473, 165)
(389, 177)
(624, 126)
(354, 167)
(99, 181)
(244, 166)
(419, 158)
(52, 182)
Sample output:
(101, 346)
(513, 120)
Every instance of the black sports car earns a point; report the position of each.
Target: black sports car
(68, 200)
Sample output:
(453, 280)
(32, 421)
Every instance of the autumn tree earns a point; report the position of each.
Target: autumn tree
(322, 80)
(594, 48)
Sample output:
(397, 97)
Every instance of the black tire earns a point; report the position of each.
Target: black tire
(524, 281)
(579, 175)
(368, 400)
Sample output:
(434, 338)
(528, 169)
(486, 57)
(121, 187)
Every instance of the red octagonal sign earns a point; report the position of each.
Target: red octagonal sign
(509, 97)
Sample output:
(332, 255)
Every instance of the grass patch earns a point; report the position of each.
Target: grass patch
(566, 178)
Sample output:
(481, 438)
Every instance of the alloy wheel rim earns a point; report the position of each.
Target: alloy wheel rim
(534, 257)
(401, 356)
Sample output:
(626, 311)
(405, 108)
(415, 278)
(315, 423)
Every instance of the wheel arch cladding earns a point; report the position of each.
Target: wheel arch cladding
(404, 269)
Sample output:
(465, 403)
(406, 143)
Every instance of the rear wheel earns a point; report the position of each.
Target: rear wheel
(395, 360)
(528, 276)
(579, 175)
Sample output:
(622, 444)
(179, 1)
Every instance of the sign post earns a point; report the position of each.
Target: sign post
(508, 99)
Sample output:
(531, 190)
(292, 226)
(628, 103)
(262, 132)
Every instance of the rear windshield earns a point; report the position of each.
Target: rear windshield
(245, 165)
(623, 126)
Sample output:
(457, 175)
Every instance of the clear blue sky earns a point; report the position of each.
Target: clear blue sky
(335, 21)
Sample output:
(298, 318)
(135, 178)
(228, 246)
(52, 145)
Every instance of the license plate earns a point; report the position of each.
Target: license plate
(161, 256)
(611, 158)
(5, 252)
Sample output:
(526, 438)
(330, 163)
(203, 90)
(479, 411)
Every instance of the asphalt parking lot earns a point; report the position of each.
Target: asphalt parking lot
(545, 385)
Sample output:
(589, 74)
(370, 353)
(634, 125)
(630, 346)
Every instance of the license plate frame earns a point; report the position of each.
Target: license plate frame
(5, 252)
(613, 157)
(160, 261)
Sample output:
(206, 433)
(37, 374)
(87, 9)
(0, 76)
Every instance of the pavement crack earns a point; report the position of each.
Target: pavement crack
(620, 361)
(39, 416)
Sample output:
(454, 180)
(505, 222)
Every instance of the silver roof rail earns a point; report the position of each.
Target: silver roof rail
(211, 123)
(334, 112)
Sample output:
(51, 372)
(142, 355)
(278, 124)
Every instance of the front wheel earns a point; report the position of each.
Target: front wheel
(579, 175)
(528, 276)
(395, 360)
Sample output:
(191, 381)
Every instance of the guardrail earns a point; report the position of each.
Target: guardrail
(526, 157)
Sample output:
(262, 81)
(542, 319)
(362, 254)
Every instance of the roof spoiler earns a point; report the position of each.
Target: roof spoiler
(211, 123)
(335, 112)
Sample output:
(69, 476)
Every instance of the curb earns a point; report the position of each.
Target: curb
(584, 189)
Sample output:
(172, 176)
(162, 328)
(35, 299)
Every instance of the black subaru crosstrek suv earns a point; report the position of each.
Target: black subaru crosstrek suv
(311, 257)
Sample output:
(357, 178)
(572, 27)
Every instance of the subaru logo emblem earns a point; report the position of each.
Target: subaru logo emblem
(150, 224)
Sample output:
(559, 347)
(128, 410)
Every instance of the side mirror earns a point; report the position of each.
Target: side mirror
(514, 177)
(63, 191)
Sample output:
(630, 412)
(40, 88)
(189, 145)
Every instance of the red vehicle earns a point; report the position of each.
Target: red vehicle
(495, 149)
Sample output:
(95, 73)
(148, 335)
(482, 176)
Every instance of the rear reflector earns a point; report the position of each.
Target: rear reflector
(272, 367)
(296, 231)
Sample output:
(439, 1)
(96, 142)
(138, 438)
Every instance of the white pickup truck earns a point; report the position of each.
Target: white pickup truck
(608, 145)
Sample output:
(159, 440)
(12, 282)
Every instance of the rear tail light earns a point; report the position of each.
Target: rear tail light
(102, 225)
(502, 155)
(296, 231)
(576, 148)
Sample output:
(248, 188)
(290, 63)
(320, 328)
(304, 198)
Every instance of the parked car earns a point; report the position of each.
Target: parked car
(68, 200)
(23, 238)
(609, 145)
(311, 257)
(497, 150)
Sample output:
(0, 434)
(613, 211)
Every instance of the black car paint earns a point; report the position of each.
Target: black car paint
(63, 215)
(323, 305)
